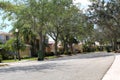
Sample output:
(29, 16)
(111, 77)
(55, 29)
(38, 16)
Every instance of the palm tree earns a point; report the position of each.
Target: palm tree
(29, 37)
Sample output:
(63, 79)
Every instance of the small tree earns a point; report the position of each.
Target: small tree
(12, 45)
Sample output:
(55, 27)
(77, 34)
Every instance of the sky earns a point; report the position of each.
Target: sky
(84, 5)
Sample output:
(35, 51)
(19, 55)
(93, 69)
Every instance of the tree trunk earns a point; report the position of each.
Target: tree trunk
(33, 48)
(56, 48)
(115, 44)
(71, 48)
(41, 47)
(65, 47)
(44, 37)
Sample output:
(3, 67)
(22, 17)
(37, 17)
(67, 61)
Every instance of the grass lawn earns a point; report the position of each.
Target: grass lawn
(29, 59)
(50, 57)
(8, 61)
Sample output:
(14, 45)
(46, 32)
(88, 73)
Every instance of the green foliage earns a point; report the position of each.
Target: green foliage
(1, 46)
(6, 54)
(89, 47)
(106, 15)
(8, 49)
(40, 55)
(27, 34)
(60, 19)
(49, 54)
(109, 48)
(11, 45)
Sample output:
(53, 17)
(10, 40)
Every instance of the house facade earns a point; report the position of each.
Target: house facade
(4, 37)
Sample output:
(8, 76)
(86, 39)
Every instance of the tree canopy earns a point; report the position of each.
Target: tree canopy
(63, 21)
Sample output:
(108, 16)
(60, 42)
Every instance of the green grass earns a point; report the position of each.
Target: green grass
(29, 59)
(50, 57)
(8, 61)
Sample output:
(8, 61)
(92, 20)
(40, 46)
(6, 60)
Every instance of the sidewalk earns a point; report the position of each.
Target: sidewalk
(3, 64)
(114, 71)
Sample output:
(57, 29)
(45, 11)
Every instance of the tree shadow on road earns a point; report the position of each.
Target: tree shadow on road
(51, 66)
(85, 56)
(33, 68)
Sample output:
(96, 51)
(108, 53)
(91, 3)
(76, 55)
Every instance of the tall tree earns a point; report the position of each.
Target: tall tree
(57, 14)
(106, 15)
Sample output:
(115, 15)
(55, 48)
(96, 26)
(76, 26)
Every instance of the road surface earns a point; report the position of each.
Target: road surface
(91, 66)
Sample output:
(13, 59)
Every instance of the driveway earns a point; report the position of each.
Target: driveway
(91, 66)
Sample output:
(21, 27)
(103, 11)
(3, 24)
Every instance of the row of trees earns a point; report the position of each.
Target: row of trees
(106, 15)
(60, 19)
(63, 21)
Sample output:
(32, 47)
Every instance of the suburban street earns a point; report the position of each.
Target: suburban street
(59, 39)
(91, 66)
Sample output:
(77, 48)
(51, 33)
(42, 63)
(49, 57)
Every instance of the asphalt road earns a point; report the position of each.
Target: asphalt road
(77, 67)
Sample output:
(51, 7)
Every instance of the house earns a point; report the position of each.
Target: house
(4, 36)
(51, 47)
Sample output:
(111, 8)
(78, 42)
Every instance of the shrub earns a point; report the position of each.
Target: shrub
(40, 55)
(108, 48)
(6, 54)
(49, 54)
(88, 48)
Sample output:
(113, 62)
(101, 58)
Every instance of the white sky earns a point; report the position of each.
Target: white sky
(84, 3)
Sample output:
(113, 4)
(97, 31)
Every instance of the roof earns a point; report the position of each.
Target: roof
(4, 33)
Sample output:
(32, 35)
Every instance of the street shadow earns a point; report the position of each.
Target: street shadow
(54, 65)
(33, 68)
(85, 56)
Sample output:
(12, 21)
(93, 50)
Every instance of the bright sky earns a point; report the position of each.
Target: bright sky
(84, 5)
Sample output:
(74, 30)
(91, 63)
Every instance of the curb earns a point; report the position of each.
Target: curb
(2, 65)
(113, 72)
(103, 78)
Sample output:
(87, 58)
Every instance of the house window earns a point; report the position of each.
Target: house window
(7, 38)
(1, 39)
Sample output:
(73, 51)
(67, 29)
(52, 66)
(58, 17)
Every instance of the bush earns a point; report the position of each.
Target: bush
(0, 58)
(67, 53)
(6, 54)
(88, 48)
(40, 55)
(49, 54)
(108, 48)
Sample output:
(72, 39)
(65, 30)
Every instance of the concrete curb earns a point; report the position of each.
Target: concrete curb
(114, 71)
(3, 64)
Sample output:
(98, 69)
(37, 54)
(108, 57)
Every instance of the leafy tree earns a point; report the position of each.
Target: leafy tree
(106, 16)
(60, 19)
(57, 14)
(11, 45)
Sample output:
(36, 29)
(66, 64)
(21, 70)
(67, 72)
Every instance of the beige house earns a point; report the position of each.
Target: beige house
(76, 47)
(26, 52)
(6, 36)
